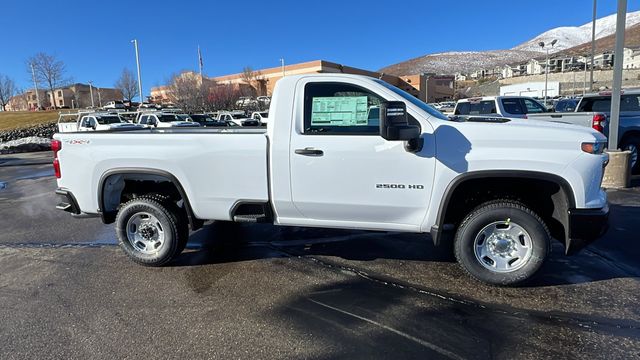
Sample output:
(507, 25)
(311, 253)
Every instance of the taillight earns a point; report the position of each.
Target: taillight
(525, 116)
(56, 145)
(598, 122)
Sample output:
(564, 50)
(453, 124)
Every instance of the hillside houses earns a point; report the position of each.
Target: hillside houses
(558, 63)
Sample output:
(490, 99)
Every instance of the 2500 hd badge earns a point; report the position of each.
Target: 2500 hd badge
(399, 186)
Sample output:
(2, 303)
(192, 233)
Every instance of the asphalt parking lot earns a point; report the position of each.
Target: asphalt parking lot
(259, 291)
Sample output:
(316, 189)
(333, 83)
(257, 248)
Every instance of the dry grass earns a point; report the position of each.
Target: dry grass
(20, 119)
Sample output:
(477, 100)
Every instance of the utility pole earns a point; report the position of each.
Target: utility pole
(614, 121)
(573, 88)
(593, 42)
(135, 44)
(35, 85)
(99, 98)
(91, 93)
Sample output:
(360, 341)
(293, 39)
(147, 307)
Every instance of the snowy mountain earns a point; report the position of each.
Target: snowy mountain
(575, 38)
(570, 36)
(459, 61)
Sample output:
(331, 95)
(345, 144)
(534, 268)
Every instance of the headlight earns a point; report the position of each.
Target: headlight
(593, 147)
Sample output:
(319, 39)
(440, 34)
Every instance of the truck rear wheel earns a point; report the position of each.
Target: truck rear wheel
(632, 143)
(502, 243)
(151, 231)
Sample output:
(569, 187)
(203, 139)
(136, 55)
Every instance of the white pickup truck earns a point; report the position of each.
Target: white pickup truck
(93, 121)
(500, 191)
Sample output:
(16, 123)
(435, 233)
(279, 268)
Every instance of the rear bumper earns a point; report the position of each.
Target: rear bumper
(585, 226)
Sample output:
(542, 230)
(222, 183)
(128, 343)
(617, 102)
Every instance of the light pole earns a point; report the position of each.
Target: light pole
(91, 93)
(135, 45)
(593, 43)
(35, 85)
(282, 66)
(546, 68)
(584, 85)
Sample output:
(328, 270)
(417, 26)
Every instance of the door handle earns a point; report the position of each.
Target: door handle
(309, 152)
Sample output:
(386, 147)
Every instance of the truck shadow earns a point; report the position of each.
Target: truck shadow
(224, 242)
(358, 318)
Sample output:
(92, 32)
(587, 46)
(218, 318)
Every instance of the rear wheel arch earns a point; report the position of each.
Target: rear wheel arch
(469, 190)
(115, 183)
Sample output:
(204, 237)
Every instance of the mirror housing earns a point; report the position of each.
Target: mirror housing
(394, 123)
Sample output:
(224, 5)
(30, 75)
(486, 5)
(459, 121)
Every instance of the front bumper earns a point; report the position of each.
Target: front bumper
(585, 226)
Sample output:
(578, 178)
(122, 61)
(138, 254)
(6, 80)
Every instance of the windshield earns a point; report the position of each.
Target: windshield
(200, 117)
(105, 120)
(168, 118)
(415, 101)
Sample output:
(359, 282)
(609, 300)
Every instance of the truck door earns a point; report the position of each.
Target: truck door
(344, 172)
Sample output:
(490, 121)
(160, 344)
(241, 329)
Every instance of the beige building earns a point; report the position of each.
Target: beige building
(72, 97)
(424, 86)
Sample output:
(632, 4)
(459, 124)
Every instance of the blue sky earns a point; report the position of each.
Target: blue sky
(93, 37)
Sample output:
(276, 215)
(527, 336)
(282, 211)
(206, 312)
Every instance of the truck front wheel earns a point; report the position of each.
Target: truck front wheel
(502, 243)
(151, 232)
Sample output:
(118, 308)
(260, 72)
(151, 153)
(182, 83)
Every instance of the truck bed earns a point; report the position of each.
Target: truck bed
(215, 170)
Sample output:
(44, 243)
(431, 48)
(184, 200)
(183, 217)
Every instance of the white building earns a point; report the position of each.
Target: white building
(533, 89)
(535, 67)
(631, 58)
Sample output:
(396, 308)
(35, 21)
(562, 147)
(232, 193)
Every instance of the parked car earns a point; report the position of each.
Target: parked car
(101, 121)
(237, 116)
(261, 116)
(565, 105)
(165, 120)
(117, 104)
(507, 106)
(210, 121)
(446, 106)
(629, 127)
(411, 170)
(593, 111)
(93, 121)
(264, 100)
(246, 101)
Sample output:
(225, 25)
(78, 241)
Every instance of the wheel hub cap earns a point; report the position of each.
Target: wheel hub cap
(503, 246)
(145, 233)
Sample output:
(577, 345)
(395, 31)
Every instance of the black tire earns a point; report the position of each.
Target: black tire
(495, 212)
(632, 143)
(170, 218)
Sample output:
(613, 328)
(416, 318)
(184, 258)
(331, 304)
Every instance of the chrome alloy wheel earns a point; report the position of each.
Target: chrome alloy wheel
(503, 246)
(145, 233)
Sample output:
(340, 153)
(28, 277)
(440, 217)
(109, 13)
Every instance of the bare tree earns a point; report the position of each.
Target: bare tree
(49, 71)
(7, 90)
(186, 91)
(223, 97)
(127, 84)
(255, 80)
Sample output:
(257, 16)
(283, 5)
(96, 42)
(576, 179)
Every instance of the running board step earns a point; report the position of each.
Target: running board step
(251, 218)
(63, 206)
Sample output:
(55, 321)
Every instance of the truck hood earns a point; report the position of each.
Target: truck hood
(525, 129)
(517, 139)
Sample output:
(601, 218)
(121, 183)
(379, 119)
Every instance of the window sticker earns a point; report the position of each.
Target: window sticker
(339, 111)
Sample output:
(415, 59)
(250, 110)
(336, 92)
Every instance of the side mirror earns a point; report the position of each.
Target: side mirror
(94, 125)
(394, 123)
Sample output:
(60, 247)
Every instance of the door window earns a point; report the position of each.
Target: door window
(533, 106)
(340, 109)
(512, 106)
